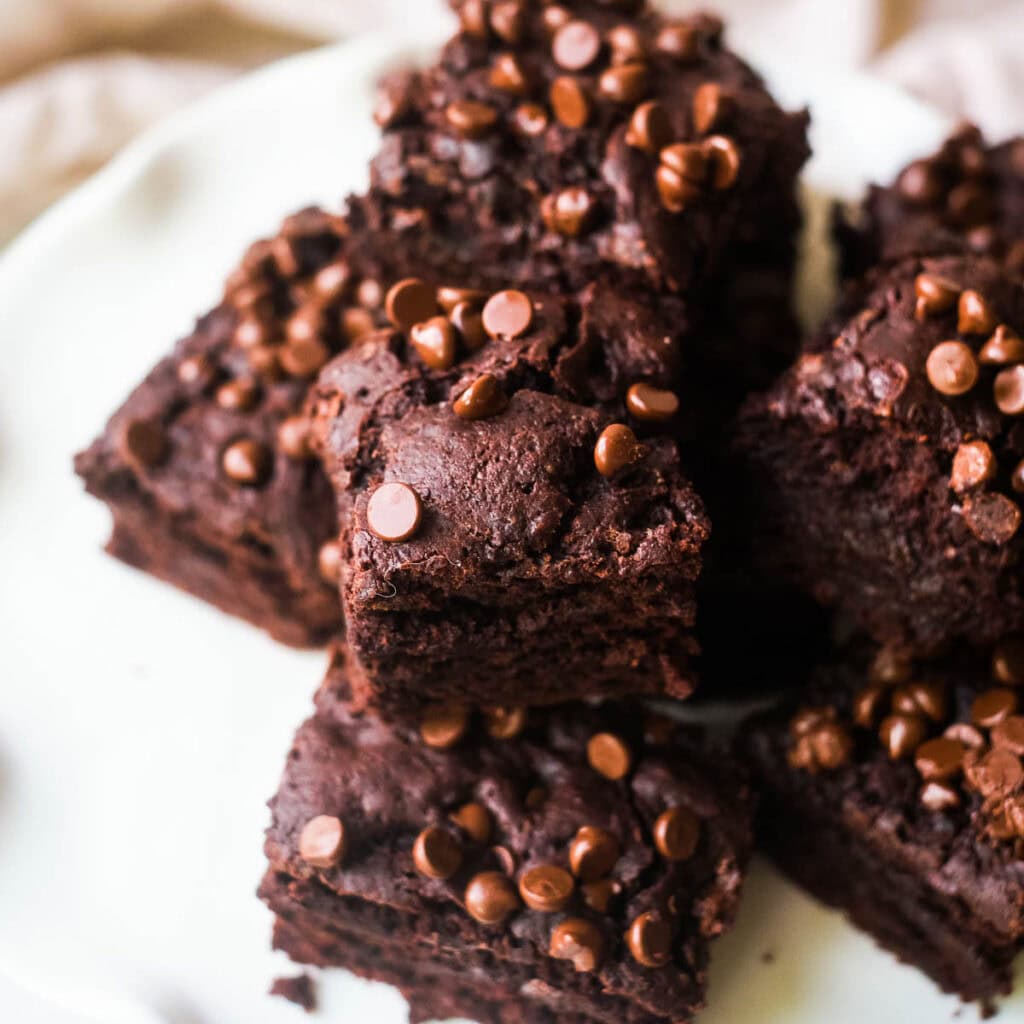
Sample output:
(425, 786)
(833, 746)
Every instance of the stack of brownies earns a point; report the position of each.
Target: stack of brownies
(451, 433)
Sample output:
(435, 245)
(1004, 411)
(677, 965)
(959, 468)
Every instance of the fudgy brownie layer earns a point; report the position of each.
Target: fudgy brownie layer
(883, 469)
(532, 558)
(558, 145)
(892, 791)
(474, 853)
(968, 195)
(205, 467)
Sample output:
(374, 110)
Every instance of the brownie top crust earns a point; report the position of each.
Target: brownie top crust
(922, 759)
(591, 840)
(969, 194)
(534, 453)
(558, 144)
(929, 350)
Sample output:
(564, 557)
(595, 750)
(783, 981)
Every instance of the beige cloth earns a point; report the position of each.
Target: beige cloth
(78, 78)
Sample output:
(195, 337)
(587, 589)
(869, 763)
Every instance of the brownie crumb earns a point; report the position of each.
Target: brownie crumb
(300, 990)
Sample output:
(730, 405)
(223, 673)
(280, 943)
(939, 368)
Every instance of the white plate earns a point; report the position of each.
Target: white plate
(140, 731)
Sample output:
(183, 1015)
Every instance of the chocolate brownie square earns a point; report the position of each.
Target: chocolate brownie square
(552, 146)
(969, 194)
(563, 864)
(206, 468)
(894, 791)
(514, 523)
(883, 471)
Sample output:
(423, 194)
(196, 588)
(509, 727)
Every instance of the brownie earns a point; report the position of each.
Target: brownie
(206, 468)
(894, 791)
(563, 864)
(514, 522)
(969, 194)
(881, 474)
(558, 145)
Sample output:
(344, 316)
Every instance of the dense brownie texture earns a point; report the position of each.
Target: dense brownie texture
(895, 792)
(419, 837)
(558, 145)
(208, 476)
(547, 561)
(883, 471)
(970, 194)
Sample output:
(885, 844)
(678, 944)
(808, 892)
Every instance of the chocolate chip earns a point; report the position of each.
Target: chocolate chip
(609, 756)
(356, 323)
(568, 212)
(688, 159)
(939, 760)
(724, 160)
(997, 773)
(952, 368)
(370, 294)
(145, 443)
(1008, 390)
(973, 465)
(968, 204)
(469, 323)
(436, 854)
(576, 45)
(928, 699)
(975, 315)
(920, 184)
(263, 361)
(711, 106)
(991, 707)
(293, 438)
(682, 169)
(1009, 734)
(554, 17)
(393, 102)
(490, 897)
(547, 888)
(246, 462)
(901, 735)
(937, 796)
(569, 101)
(449, 298)
(616, 449)
(598, 895)
(410, 302)
(196, 370)
(435, 342)
(650, 127)
(238, 395)
(505, 858)
(625, 44)
(507, 75)
(508, 21)
(624, 83)
(935, 295)
(966, 734)
(679, 41)
(1008, 661)
(650, 939)
(593, 853)
(393, 512)
(305, 324)
(444, 725)
(676, 833)
(303, 358)
(867, 706)
(992, 518)
(475, 820)
(330, 281)
(820, 740)
(482, 399)
(322, 841)
(470, 118)
(508, 314)
(1003, 348)
(530, 119)
(578, 940)
(329, 562)
(504, 723)
(651, 404)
